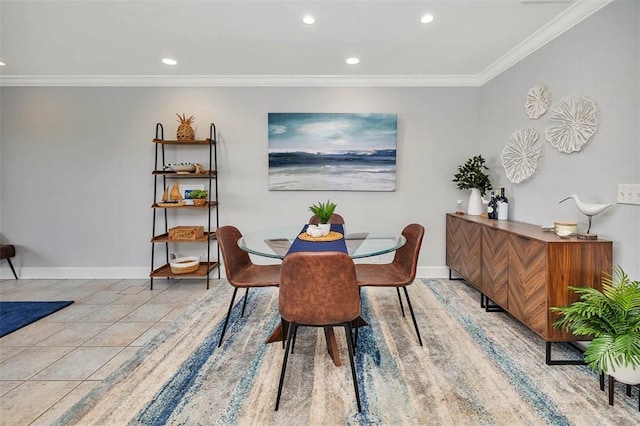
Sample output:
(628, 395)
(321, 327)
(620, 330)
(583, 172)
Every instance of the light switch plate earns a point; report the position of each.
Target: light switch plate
(629, 193)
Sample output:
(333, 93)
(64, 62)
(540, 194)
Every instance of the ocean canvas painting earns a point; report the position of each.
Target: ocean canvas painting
(332, 151)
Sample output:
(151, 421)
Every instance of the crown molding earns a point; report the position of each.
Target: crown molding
(241, 80)
(573, 15)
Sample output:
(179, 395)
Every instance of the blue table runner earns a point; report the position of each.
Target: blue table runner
(338, 245)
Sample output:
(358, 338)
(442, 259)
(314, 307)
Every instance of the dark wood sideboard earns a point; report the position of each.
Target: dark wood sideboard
(525, 270)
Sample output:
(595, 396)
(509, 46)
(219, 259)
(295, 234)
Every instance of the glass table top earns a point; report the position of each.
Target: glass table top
(361, 241)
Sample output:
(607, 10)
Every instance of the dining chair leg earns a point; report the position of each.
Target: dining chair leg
(347, 328)
(226, 320)
(415, 323)
(244, 304)
(293, 343)
(355, 338)
(293, 327)
(400, 300)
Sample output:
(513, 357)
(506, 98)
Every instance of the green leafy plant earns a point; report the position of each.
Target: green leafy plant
(323, 211)
(198, 193)
(472, 175)
(611, 316)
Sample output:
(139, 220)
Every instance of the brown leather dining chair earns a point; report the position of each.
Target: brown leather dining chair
(335, 218)
(241, 272)
(318, 289)
(399, 273)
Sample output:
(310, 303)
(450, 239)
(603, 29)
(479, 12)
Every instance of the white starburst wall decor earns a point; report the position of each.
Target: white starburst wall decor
(520, 155)
(576, 116)
(537, 101)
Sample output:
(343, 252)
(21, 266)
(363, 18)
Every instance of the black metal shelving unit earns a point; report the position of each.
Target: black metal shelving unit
(160, 178)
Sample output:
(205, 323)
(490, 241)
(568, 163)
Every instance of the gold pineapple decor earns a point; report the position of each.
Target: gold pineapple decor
(185, 131)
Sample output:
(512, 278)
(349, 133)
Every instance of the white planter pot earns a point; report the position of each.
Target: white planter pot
(628, 375)
(326, 227)
(475, 203)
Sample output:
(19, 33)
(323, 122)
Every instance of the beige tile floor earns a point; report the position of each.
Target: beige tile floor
(49, 365)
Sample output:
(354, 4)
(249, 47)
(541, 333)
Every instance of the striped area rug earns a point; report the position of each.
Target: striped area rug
(474, 368)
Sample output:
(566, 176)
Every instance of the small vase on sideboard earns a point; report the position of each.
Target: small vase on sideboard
(474, 208)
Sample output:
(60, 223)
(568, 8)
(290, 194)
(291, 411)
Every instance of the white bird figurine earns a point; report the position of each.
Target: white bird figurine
(588, 209)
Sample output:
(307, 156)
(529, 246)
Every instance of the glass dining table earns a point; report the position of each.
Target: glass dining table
(361, 242)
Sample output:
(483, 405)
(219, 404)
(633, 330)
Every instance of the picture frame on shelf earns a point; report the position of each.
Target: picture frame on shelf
(186, 189)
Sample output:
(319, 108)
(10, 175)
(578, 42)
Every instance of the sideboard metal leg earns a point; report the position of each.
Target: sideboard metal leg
(550, 361)
(454, 279)
(488, 307)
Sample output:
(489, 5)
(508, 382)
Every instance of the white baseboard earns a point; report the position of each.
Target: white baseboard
(432, 272)
(76, 273)
(142, 273)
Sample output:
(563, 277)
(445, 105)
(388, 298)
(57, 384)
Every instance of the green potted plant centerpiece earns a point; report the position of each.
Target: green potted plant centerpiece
(199, 196)
(323, 212)
(612, 318)
(472, 176)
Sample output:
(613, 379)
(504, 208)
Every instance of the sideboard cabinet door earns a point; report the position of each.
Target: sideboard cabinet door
(528, 282)
(495, 265)
(464, 245)
(576, 265)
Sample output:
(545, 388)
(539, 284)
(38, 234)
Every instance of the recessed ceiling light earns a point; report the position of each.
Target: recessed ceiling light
(2, 64)
(353, 61)
(426, 19)
(169, 61)
(308, 19)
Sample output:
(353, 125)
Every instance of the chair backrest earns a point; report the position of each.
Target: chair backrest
(335, 218)
(234, 258)
(318, 288)
(406, 257)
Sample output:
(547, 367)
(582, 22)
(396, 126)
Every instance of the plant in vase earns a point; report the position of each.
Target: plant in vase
(199, 196)
(323, 212)
(612, 318)
(472, 176)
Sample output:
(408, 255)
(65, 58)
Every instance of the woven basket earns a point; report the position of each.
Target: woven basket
(332, 236)
(184, 265)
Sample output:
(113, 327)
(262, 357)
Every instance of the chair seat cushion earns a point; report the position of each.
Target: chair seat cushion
(385, 275)
(258, 276)
(7, 251)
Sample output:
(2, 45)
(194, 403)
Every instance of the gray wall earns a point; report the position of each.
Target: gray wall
(598, 59)
(86, 154)
(75, 163)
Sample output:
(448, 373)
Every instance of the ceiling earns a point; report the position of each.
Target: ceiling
(264, 42)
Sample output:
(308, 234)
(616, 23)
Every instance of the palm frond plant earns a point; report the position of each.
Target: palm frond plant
(611, 317)
(323, 211)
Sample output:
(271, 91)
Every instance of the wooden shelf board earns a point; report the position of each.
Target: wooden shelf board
(164, 238)
(174, 142)
(212, 173)
(165, 271)
(212, 203)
